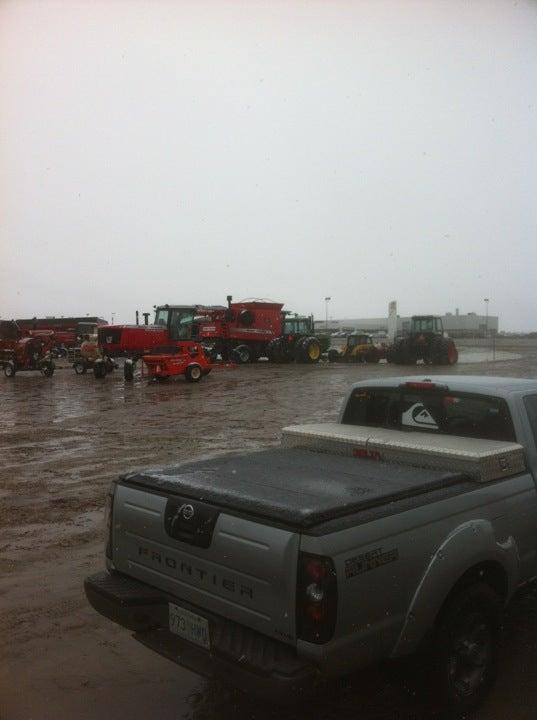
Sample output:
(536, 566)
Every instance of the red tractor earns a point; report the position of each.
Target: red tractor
(426, 341)
(240, 332)
(31, 352)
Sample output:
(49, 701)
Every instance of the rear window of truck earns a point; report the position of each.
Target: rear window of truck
(436, 411)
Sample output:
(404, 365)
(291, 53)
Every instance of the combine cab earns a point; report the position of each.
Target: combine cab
(20, 353)
(426, 341)
(297, 343)
(355, 348)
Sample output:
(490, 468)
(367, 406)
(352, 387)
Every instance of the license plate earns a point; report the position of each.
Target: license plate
(189, 626)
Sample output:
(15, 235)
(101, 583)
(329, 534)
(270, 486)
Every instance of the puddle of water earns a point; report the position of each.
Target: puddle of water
(478, 356)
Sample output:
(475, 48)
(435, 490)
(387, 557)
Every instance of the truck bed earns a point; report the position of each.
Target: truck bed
(295, 487)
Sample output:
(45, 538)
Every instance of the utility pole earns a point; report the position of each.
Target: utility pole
(326, 301)
(486, 300)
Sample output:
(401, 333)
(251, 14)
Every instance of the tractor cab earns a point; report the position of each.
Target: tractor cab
(356, 340)
(426, 325)
(180, 321)
(295, 325)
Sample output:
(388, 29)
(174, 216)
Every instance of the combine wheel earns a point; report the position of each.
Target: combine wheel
(80, 367)
(193, 373)
(241, 354)
(9, 369)
(128, 370)
(310, 350)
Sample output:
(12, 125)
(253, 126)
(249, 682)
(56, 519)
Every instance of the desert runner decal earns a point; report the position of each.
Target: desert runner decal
(369, 561)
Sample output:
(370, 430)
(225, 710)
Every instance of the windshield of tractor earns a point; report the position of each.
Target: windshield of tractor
(426, 325)
(296, 326)
(355, 340)
(438, 411)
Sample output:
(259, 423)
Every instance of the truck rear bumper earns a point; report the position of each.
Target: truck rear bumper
(252, 662)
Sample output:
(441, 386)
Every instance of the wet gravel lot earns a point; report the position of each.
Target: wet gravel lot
(63, 439)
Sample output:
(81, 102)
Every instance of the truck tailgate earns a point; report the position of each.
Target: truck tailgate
(230, 566)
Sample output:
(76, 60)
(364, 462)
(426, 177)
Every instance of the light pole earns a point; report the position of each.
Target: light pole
(113, 315)
(326, 301)
(486, 300)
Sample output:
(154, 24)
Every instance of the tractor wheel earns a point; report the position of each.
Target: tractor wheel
(333, 355)
(310, 350)
(193, 373)
(372, 356)
(241, 354)
(128, 370)
(80, 367)
(452, 353)
(99, 370)
(9, 369)
(48, 369)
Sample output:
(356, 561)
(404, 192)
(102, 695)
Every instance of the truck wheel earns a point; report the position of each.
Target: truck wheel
(193, 373)
(99, 370)
(465, 649)
(241, 354)
(9, 369)
(80, 367)
(128, 370)
(310, 350)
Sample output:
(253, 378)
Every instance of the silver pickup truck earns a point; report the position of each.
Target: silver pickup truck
(403, 528)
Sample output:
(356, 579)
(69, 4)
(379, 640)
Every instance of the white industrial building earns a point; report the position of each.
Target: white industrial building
(456, 324)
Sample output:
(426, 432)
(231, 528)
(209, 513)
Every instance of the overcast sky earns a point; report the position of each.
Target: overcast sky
(176, 152)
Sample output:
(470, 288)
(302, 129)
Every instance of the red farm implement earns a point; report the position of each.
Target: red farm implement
(189, 360)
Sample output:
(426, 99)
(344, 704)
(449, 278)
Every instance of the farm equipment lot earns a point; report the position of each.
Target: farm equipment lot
(63, 440)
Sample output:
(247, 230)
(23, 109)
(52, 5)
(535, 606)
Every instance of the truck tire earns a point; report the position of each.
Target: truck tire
(99, 370)
(9, 369)
(465, 649)
(128, 370)
(241, 354)
(193, 373)
(310, 350)
(80, 367)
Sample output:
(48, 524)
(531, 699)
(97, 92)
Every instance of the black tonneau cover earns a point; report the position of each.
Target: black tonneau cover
(295, 487)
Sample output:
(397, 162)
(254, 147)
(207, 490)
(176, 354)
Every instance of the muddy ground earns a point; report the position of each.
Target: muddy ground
(63, 439)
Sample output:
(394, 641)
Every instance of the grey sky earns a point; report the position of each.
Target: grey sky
(179, 151)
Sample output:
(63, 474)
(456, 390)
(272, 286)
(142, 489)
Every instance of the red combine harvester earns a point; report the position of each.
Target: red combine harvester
(189, 359)
(66, 330)
(241, 332)
(20, 352)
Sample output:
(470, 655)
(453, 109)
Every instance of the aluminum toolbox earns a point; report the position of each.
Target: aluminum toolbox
(482, 460)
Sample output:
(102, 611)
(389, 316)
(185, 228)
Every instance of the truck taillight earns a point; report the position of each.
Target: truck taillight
(108, 515)
(316, 598)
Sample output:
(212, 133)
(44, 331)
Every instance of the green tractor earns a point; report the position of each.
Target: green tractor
(426, 341)
(297, 343)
